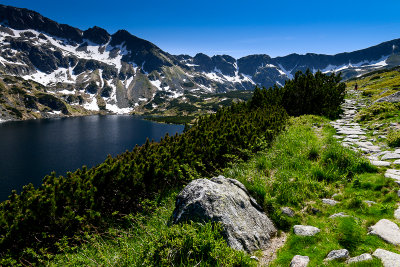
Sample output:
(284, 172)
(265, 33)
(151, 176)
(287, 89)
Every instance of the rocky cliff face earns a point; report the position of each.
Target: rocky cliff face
(120, 72)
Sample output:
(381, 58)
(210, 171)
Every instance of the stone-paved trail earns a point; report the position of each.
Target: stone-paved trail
(352, 135)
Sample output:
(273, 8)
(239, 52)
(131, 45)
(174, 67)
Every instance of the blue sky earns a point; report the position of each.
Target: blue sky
(237, 28)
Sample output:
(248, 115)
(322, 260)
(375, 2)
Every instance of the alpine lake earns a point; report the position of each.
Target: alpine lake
(29, 150)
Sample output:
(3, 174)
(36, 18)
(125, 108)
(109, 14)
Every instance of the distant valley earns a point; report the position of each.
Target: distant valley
(49, 69)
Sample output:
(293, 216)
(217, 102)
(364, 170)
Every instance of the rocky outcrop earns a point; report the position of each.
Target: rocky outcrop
(226, 201)
(393, 98)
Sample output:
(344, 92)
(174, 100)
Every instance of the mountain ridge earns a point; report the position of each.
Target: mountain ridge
(127, 72)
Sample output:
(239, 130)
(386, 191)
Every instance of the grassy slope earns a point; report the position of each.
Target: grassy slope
(297, 171)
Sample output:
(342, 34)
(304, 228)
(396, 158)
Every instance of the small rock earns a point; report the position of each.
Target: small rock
(330, 202)
(315, 211)
(305, 230)
(398, 193)
(397, 213)
(335, 195)
(387, 230)
(340, 254)
(299, 261)
(287, 211)
(389, 259)
(254, 258)
(397, 151)
(362, 257)
(340, 214)
(390, 156)
(396, 162)
(369, 202)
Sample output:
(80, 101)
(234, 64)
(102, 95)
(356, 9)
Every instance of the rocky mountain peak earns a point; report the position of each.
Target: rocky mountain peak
(23, 19)
(97, 35)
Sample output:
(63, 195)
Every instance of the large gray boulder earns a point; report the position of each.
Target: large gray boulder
(224, 200)
(387, 230)
(388, 258)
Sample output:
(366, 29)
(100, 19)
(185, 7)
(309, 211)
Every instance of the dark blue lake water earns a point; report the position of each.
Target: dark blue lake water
(31, 149)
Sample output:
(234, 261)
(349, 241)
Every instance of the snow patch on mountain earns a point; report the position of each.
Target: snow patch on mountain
(66, 92)
(60, 75)
(365, 64)
(115, 109)
(288, 73)
(157, 84)
(92, 105)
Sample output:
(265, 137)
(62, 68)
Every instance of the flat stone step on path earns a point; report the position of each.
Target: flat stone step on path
(390, 156)
(351, 132)
(380, 163)
(393, 173)
(387, 230)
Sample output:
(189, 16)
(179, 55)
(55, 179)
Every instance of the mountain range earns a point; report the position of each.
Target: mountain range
(121, 73)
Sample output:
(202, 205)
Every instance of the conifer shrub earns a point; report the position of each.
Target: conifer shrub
(308, 93)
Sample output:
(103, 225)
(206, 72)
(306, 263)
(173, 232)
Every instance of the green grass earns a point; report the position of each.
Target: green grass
(302, 166)
(306, 164)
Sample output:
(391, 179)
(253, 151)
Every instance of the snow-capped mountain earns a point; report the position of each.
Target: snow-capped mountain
(120, 72)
